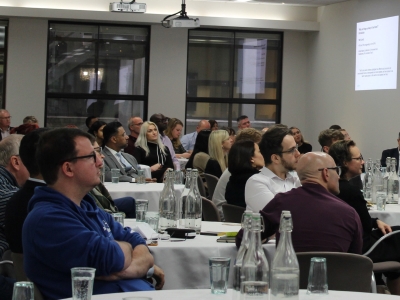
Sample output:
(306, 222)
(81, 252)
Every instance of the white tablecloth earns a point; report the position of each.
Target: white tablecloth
(149, 191)
(185, 263)
(201, 294)
(390, 216)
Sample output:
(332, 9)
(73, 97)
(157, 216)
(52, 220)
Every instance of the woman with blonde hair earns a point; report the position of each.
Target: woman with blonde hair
(173, 131)
(151, 151)
(219, 145)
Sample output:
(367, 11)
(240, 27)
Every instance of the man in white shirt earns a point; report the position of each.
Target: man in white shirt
(281, 155)
(5, 121)
(188, 140)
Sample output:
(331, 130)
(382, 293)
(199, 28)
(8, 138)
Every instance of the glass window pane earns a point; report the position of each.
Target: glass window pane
(256, 66)
(123, 33)
(124, 68)
(260, 115)
(76, 31)
(209, 64)
(65, 111)
(71, 67)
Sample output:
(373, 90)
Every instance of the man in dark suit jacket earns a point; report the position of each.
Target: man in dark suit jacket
(391, 153)
(115, 139)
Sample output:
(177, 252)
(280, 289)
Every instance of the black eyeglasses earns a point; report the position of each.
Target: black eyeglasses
(97, 149)
(80, 157)
(338, 169)
(360, 158)
(291, 150)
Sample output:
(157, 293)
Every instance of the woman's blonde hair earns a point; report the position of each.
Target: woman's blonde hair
(217, 137)
(142, 138)
(172, 123)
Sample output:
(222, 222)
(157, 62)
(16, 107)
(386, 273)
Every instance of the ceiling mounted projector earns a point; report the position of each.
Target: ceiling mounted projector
(183, 21)
(131, 7)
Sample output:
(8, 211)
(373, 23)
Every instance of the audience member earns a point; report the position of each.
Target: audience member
(17, 207)
(199, 158)
(347, 155)
(13, 175)
(243, 122)
(90, 120)
(188, 140)
(134, 125)
(303, 146)
(65, 228)
(327, 137)
(281, 155)
(161, 121)
(213, 125)
(30, 120)
(345, 134)
(173, 132)
(97, 131)
(152, 152)
(24, 128)
(335, 127)
(321, 220)
(220, 190)
(115, 139)
(219, 145)
(231, 132)
(394, 152)
(5, 121)
(244, 160)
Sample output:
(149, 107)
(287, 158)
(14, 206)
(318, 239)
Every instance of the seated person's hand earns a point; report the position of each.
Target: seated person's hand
(159, 277)
(385, 228)
(151, 180)
(155, 167)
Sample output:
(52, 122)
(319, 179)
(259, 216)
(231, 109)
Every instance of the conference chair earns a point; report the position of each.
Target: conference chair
(384, 266)
(233, 213)
(201, 187)
(210, 211)
(211, 181)
(345, 271)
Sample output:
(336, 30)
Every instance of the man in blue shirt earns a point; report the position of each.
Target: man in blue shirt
(65, 228)
(188, 140)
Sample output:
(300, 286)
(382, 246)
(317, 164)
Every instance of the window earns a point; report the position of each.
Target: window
(99, 70)
(3, 40)
(234, 73)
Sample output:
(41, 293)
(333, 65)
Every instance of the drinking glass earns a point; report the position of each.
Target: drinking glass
(23, 290)
(317, 277)
(115, 175)
(152, 218)
(219, 274)
(82, 283)
(119, 217)
(141, 209)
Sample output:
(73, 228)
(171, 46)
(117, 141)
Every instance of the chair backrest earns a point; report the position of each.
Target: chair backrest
(380, 240)
(233, 213)
(345, 271)
(210, 211)
(211, 184)
(201, 187)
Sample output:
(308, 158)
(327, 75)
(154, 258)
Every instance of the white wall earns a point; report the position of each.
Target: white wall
(26, 69)
(370, 117)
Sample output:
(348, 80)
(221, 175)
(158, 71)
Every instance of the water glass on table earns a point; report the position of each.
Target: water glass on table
(82, 283)
(317, 277)
(119, 217)
(381, 201)
(219, 274)
(141, 179)
(152, 218)
(141, 209)
(115, 175)
(23, 290)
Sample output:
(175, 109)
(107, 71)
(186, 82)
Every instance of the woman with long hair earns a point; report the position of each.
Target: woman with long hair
(213, 125)
(173, 131)
(97, 130)
(303, 146)
(347, 155)
(152, 152)
(244, 160)
(219, 145)
(200, 152)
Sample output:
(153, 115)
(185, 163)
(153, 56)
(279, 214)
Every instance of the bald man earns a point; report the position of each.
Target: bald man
(321, 221)
(188, 140)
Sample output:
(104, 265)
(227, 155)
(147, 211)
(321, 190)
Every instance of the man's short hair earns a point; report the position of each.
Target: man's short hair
(110, 130)
(241, 118)
(56, 146)
(29, 119)
(27, 150)
(271, 141)
(88, 120)
(249, 134)
(340, 152)
(328, 136)
(9, 147)
(335, 127)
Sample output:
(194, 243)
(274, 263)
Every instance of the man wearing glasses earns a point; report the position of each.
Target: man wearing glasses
(65, 229)
(134, 124)
(5, 121)
(322, 221)
(280, 155)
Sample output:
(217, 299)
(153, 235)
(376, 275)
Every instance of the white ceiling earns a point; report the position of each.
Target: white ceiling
(289, 2)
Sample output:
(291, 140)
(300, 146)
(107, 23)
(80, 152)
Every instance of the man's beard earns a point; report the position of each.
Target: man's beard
(287, 165)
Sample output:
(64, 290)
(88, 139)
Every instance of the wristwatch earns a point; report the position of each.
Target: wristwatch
(150, 272)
